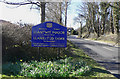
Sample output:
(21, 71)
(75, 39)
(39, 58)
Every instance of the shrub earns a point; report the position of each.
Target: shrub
(16, 44)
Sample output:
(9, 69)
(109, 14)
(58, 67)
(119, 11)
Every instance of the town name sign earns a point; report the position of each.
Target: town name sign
(49, 34)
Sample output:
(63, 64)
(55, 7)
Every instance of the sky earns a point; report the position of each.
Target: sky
(21, 13)
(72, 14)
(25, 15)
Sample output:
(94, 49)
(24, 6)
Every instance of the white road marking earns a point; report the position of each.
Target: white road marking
(108, 48)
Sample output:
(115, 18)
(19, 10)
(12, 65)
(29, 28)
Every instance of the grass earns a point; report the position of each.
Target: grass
(74, 63)
(108, 38)
(106, 41)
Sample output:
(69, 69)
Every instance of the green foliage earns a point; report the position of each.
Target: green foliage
(74, 32)
(11, 68)
(58, 68)
(94, 38)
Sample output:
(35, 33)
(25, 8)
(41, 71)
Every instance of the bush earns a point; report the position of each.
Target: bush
(16, 44)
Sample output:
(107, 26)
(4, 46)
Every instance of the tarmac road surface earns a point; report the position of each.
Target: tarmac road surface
(105, 54)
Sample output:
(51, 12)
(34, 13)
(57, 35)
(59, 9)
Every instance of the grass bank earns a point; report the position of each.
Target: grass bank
(74, 63)
(109, 38)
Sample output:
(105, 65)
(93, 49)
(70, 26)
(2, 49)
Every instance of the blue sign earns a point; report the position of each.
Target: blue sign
(49, 34)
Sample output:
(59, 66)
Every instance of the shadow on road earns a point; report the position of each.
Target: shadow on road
(112, 66)
(108, 64)
(100, 70)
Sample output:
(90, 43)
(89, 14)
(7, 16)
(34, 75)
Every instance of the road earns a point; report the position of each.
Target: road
(105, 54)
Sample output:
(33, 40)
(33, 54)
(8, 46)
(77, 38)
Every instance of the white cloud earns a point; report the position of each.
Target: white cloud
(21, 13)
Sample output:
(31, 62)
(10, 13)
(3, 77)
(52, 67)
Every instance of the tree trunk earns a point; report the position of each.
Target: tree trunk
(42, 12)
(88, 28)
(98, 28)
(66, 14)
(60, 12)
(111, 22)
(81, 30)
(93, 18)
(103, 25)
(116, 18)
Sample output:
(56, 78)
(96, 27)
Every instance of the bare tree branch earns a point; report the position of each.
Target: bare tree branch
(115, 7)
(22, 3)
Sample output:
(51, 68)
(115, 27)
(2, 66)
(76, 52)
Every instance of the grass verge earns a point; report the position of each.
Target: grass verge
(96, 69)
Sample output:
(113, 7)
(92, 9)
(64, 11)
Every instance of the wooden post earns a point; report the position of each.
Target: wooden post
(38, 51)
(42, 18)
(58, 52)
(60, 4)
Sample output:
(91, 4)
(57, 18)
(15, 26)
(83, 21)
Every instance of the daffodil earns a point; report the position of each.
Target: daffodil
(21, 60)
(65, 55)
(51, 64)
(47, 65)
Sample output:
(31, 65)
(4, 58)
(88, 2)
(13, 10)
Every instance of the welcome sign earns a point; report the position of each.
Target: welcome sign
(49, 34)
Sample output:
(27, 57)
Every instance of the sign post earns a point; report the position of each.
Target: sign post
(49, 34)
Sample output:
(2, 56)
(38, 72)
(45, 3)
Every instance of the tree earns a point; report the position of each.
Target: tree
(95, 14)
(116, 19)
(111, 21)
(37, 3)
(100, 18)
(88, 11)
(43, 12)
(47, 8)
(82, 17)
(104, 13)
(79, 19)
(98, 25)
(54, 12)
(116, 16)
(66, 5)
